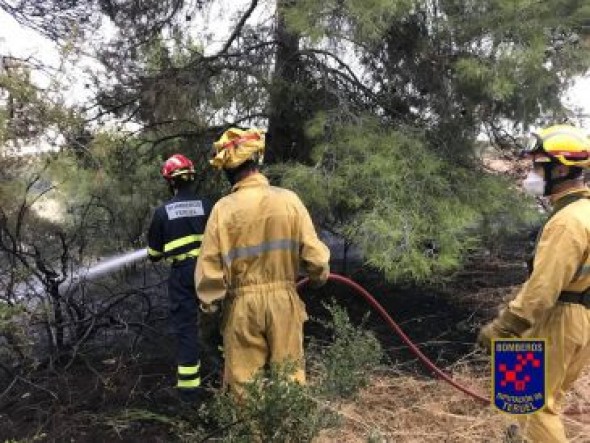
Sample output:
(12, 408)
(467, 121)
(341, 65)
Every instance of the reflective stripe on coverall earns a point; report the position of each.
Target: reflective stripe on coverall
(561, 263)
(253, 244)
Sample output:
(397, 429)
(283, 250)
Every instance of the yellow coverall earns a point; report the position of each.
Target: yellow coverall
(253, 244)
(561, 263)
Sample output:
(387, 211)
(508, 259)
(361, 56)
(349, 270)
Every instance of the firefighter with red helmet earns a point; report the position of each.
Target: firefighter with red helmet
(175, 235)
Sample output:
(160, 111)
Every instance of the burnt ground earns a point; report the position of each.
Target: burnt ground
(443, 319)
(112, 395)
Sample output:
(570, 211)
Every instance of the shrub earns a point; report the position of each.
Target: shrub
(345, 364)
(273, 409)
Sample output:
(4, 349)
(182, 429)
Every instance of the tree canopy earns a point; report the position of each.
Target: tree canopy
(372, 109)
(383, 115)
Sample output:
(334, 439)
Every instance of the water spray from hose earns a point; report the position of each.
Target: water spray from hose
(104, 268)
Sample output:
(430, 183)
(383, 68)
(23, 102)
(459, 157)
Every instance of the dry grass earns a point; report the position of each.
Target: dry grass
(578, 426)
(402, 408)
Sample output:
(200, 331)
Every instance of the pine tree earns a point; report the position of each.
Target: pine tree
(420, 79)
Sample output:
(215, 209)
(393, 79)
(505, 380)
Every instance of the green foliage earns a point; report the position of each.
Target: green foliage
(386, 192)
(28, 111)
(110, 191)
(506, 212)
(163, 99)
(8, 314)
(457, 63)
(17, 349)
(512, 57)
(33, 117)
(368, 18)
(346, 363)
(274, 408)
(13, 319)
(107, 200)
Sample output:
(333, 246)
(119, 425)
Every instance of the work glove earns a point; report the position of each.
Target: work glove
(312, 283)
(506, 325)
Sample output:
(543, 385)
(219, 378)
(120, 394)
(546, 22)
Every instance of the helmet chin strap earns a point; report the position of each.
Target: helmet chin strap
(549, 182)
(171, 188)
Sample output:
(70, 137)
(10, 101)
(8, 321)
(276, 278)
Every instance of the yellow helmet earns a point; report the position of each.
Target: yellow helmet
(564, 144)
(236, 146)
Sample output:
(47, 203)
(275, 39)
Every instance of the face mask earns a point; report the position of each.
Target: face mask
(534, 184)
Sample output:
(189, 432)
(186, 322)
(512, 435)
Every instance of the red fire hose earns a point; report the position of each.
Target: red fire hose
(395, 328)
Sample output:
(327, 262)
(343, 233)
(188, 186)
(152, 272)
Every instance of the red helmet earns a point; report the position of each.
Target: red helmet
(176, 165)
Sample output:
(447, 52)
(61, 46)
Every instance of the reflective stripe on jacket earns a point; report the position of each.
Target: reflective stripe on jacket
(255, 237)
(176, 230)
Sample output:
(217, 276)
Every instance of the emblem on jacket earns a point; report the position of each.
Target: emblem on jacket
(518, 375)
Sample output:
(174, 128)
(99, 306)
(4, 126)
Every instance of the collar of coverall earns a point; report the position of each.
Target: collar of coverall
(256, 179)
(556, 197)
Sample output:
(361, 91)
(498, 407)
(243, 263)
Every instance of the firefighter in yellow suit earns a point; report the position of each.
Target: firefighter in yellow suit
(255, 239)
(554, 303)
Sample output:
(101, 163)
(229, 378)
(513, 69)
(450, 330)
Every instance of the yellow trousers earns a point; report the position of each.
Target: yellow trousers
(262, 327)
(567, 330)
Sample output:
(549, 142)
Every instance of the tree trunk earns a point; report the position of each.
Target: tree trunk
(287, 113)
(57, 317)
